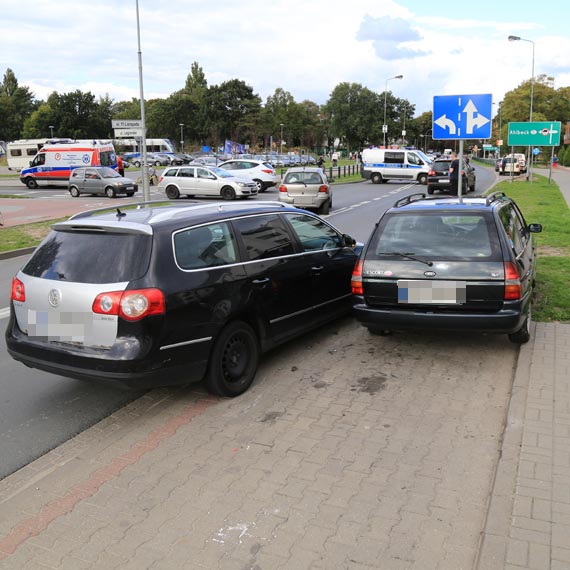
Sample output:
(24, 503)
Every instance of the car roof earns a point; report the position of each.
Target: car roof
(145, 217)
(422, 203)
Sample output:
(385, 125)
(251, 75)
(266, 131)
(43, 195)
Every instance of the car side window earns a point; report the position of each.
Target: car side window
(186, 172)
(394, 157)
(205, 246)
(514, 228)
(203, 173)
(91, 174)
(264, 237)
(414, 159)
(314, 234)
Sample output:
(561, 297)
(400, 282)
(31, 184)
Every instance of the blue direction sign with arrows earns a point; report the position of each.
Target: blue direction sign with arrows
(458, 117)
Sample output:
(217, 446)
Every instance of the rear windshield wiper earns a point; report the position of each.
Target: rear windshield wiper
(406, 255)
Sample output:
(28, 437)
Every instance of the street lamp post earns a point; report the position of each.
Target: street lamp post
(182, 137)
(281, 139)
(517, 39)
(385, 126)
(51, 127)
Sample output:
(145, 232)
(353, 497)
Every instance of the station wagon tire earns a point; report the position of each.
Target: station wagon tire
(260, 187)
(228, 193)
(31, 183)
(233, 361)
(172, 193)
(110, 192)
(422, 178)
(376, 178)
(523, 334)
(74, 191)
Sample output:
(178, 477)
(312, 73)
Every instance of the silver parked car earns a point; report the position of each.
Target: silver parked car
(200, 180)
(308, 188)
(99, 180)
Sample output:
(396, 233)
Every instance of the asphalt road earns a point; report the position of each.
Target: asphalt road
(39, 411)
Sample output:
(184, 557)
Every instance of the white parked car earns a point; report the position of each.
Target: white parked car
(262, 173)
(193, 180)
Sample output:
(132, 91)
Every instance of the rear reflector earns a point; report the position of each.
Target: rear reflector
(356, 281)
(513, 287)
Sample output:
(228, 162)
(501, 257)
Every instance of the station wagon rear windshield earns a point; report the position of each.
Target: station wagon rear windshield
(441, 236)
(89, 257)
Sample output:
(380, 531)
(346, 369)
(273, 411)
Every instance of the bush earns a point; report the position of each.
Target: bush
(565, 159)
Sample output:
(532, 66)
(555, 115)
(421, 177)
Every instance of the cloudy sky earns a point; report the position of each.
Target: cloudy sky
(306, 47)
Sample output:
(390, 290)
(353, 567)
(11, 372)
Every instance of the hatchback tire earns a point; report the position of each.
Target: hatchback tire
(74, 191)
(172, 193)
(110, 192)
(233, 361)
(228, 193)
(325, 208)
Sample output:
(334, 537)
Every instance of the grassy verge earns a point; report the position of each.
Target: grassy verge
(28, 235)
(543, 203)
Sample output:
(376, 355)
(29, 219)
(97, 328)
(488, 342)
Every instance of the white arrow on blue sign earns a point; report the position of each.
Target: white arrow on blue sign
(458, 117)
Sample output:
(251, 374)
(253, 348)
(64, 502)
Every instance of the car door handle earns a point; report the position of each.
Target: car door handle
(263, 282)
(317, 269)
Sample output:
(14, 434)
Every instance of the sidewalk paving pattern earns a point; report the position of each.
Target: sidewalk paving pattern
(405, 452)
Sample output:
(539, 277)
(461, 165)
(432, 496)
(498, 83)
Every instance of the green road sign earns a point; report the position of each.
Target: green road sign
(545, 133)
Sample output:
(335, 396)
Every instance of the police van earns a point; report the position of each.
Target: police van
(54, 162)
(383, 164)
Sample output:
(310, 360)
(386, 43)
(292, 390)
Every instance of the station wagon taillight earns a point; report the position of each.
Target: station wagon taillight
(18, 290)
(130, 305)
(356, 281)
(513, 287)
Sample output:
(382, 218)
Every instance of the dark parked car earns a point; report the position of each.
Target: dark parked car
(172, 294)
(438, 177)
(448, 264)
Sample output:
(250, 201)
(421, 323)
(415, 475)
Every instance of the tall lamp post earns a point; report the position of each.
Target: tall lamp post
(182, 137)
(519, 39)
(51, 127)
(385, 126)
(281, 139)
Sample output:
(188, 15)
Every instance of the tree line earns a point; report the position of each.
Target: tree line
(353, 114)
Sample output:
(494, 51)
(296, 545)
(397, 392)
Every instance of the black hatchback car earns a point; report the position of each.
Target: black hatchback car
(448, 264)
(438, 177)
(170, 294)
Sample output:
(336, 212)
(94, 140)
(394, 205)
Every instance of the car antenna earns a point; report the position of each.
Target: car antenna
(120, 214)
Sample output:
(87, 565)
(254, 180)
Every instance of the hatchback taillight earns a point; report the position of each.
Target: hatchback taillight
(323, 188)
(432, 173)
(18, 290)
(282, 188)
(356, 281)
(513, 287)
(130, 305)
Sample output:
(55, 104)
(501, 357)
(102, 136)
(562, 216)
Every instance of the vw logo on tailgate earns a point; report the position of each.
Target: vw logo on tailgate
(54, 297)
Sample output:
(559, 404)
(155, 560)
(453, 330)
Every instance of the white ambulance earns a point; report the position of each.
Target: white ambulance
(53, 164)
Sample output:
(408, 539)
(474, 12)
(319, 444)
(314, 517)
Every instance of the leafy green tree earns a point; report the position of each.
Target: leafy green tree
(37, 125)
(16, 105)
(75, 114)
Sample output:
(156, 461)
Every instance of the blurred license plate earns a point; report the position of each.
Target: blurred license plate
(432, 292)
(305, 200)
(443, 180)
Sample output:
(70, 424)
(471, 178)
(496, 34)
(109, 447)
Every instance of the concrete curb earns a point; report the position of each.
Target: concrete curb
(495, 535)
(16, 252)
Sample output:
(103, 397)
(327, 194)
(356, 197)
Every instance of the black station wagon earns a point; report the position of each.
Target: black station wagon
(448, 264)
(154, 295)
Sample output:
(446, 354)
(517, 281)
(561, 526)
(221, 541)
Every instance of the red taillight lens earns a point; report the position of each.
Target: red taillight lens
(268, 171)
(18, 290)
(130, 305)
(160, 179)
(282, 188)
(513, 288)
(356, 281)
(432, 173)
(323, 188)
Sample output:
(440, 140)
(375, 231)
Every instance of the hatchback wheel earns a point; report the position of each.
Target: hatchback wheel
(325, 208)
(228, 193)
(172, 193)
(74, 191)
(430, 190)
(233, 362)
(110, 192)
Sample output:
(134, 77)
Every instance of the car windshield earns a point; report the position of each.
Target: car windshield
(108, 173)
(442, 236)
(302, 177)
(221, 172)
(425, 157)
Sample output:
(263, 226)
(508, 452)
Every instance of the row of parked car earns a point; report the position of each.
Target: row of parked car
(180, 292)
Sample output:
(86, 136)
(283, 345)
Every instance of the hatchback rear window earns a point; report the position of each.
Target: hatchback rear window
(91, 257)
(442, 236)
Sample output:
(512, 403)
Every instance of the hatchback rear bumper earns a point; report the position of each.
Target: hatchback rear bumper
(507, 320)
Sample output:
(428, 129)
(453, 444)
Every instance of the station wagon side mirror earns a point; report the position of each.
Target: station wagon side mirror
(535, 228)
(348, 241)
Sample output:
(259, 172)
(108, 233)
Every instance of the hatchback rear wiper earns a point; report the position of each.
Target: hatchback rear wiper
(406, 255)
